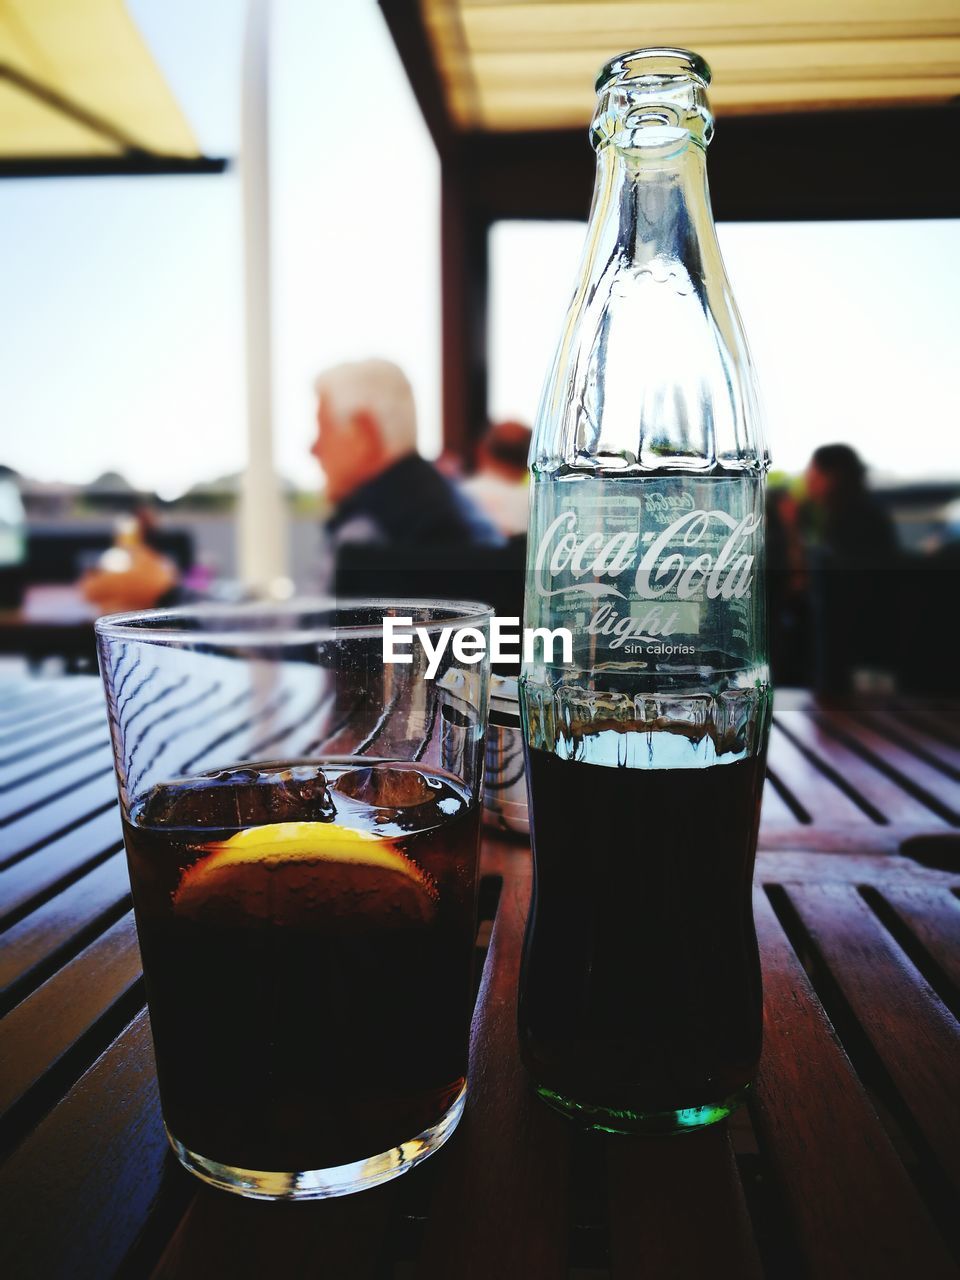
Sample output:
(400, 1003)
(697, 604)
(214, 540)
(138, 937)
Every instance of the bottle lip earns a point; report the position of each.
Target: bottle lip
(650, 101)
(657, 63)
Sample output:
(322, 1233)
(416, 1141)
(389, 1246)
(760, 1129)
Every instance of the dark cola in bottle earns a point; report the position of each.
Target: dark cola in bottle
(640, 1000)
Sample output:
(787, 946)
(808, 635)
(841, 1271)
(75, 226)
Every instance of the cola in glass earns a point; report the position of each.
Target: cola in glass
(307, 931)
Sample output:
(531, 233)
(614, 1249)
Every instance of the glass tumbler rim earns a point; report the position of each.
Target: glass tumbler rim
(242, 623)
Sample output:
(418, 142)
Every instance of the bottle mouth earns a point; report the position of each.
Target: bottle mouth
(654, 67)
(653, 99)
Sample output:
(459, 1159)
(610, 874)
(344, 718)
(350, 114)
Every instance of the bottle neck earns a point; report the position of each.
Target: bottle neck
(652, 212)
(652, 373)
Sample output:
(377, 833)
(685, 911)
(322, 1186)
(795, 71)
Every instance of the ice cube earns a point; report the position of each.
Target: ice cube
(244, 796)
(401, 796)
(388, 786)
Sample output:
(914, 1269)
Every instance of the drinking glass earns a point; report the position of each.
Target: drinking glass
(301, 821)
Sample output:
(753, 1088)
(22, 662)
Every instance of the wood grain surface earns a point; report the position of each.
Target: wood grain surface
(845, 1164)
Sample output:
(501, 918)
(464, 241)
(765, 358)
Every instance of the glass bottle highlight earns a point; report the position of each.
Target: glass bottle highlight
(640, 999)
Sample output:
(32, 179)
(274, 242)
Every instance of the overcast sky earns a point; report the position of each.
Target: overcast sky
(121, 336)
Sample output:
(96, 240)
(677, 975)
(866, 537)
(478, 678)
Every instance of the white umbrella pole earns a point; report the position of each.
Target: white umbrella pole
(262, 529)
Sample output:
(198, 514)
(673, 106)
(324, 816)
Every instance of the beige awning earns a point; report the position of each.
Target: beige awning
(78, 81)
(527, 66)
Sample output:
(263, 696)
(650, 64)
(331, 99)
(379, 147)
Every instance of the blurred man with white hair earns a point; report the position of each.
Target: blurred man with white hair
(382, 490)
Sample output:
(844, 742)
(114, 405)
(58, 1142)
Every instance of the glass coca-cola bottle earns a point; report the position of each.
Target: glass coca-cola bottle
(640, 1005)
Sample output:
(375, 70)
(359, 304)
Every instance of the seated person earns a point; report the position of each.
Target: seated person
(852, 553)
(382, 490)
(500, 485)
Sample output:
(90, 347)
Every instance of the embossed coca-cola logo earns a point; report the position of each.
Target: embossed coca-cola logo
(661, 567)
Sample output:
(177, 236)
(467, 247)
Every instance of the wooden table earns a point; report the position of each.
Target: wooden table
(845, 1164)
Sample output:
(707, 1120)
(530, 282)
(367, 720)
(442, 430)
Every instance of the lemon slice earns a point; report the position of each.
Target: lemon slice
(313, 874)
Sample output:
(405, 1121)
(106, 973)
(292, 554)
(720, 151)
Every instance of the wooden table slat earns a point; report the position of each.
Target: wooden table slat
(932, 916)
(72, 746)
(230, 744)
(775, 812)
(826, 804)
(38, 1032)
(853, 1206)
(825, 866)
(279, 716)
(181, 722)
(677, 1209)
(52, 785)
(222, 1235)
(58, 691)
(37, 939)
(514, 1194)
(911, 1030)
(29, 833)
(929, 784)
(182, 732)
(17, 693)
(299, 724)
(510, 1160)
(897, 727)
(42, 697)
(30, 739)
(15, 712)
(34, 878)
(78, 1190)
(939, 717)
(896, 805)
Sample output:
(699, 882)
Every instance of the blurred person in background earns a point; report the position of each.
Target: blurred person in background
(852, 555)
(500, 484)
(381, 489)
(132, 574)
(788, 586)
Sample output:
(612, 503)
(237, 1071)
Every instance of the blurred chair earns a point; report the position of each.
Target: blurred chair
(494, 575)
